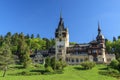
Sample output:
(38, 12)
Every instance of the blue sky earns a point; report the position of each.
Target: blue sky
(42, 16)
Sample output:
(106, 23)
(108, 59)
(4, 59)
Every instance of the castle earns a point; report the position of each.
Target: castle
(94, 51)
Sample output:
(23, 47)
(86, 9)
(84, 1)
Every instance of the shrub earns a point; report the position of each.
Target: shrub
(114, 64)
(49, 69)
(47, 62)
(111, 71)
(37, 65)
(64, 64)
(27, 73)
(54, 64)
(88, 65)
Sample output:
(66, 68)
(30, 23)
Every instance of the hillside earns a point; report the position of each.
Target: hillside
(70, 73)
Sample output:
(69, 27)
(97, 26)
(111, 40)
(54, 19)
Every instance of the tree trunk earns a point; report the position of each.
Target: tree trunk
(5, 71)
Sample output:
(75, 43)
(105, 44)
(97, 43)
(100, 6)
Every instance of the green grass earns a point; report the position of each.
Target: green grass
(70, 73)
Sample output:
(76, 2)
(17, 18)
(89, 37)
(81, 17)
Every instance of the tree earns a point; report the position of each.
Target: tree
(116, 47)
(54, 64)
(5, 58)
(47, 62)
(47, 43)
(26, 58)
(114, 64)
(118, 37)
(32, 36)
(38, 36)
(1, 40)
(27, 36)
(114, 38)
(52, 42)
(109, 46)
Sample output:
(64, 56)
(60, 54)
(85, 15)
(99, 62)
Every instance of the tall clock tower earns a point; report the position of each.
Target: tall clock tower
(61, 40)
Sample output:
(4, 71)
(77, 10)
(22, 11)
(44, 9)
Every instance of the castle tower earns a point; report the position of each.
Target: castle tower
(61, 40)
(101, 43)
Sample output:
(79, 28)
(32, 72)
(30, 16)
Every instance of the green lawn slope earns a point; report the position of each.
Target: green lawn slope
(70, 73)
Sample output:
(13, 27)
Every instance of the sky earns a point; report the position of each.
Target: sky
(81, 17)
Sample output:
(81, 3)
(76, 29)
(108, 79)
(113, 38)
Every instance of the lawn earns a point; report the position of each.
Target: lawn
(70, 73)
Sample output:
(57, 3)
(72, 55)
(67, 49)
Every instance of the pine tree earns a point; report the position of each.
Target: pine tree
(32, 36)
(38, 36)
(5, 57)
(26, 58)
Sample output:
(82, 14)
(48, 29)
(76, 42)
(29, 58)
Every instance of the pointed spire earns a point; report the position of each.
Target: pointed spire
(61, 22)
(60, 14)
(99, 30)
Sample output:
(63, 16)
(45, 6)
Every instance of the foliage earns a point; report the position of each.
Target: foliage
(47, 62)
(110, 72)
(49, 69)
(54, 64)
(26, 59)
(114, 64)
(5, 57)
(113, 47)
(22, 46)
(88, 65)
(73, 43)
(113, 69)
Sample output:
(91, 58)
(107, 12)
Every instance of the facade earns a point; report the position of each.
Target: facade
(75, 54)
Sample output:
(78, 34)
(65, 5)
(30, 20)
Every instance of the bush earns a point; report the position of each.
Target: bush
(49, 69)
(114, 64)
(54, 64)
(64, 64)
(47, 62)
(58, 65)
(88, 65)
(111, 71)
(37, 65)
(27, 73)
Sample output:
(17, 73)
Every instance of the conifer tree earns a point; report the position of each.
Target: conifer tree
(5, 57)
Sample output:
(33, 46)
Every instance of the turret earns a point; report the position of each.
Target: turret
(100, 38)
(101, 44)
(61, 40)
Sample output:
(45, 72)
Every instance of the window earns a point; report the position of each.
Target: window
(60, 46)
(95, 59)
(60, 39)
(77, 60)
(94, 51)
(72, 60)
(81, 60)
(60, 34)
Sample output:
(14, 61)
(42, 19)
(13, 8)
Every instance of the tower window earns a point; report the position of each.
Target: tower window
(94, 51)
(60, 34)
(60, 39)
